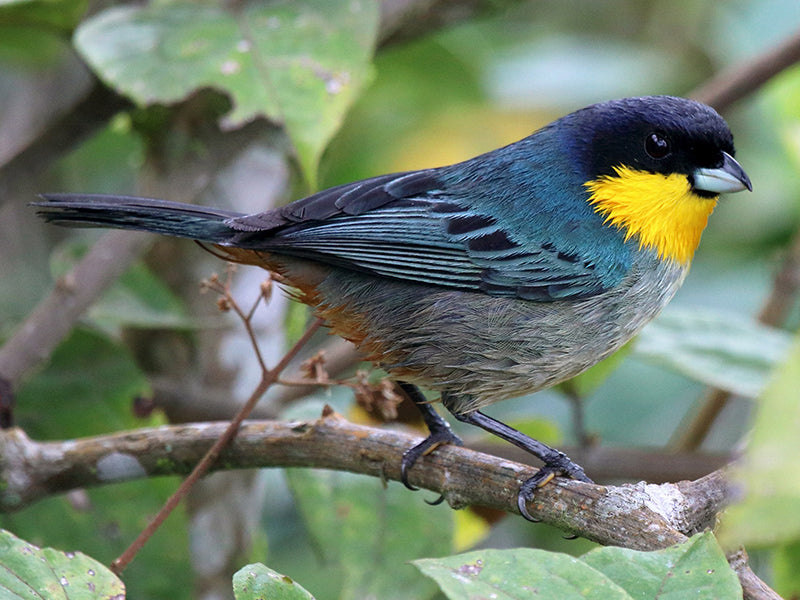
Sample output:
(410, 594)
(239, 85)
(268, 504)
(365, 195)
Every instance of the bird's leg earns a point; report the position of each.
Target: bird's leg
(440, 433)
(555, 462)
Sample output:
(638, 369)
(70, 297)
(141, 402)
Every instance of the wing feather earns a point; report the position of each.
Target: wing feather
(406, 226)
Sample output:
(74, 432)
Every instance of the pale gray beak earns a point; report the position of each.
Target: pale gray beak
(728, 178)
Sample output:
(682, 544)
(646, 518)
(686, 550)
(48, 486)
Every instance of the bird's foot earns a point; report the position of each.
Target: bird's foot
(559, 466)
(440, 435)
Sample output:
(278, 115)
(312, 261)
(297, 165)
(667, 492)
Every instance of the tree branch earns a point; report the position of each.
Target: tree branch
(62, 135)
(735, 83)
(640, 516)
(55, 315)
(31, 470)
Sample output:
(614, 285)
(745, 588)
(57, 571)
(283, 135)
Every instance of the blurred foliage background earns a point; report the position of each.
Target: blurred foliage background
(433, 99)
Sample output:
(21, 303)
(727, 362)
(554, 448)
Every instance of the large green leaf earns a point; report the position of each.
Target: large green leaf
(300, 63)
(369, 531)
(769, 473)
(28, 572)
(696, 569)
(256, 582)
(722, 350)
(520, 573)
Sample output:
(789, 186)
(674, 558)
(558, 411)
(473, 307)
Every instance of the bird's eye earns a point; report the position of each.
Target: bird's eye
(657, 145)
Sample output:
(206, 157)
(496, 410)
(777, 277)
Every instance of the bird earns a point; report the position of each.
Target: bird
(490, 278)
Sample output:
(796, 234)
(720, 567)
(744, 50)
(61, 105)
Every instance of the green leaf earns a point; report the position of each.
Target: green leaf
(86, 389)
(520, 573)
(784, 566)
(696, 569)
(47, 14)
(28, 47)
(721, 350)
(300, 63)
(101, 522)
(29, 572)
(368, 531)
(256, 582)
(769, 473)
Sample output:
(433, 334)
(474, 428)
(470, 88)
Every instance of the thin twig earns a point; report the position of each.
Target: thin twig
(267, 379)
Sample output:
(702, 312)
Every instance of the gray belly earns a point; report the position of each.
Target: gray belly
(483, 348)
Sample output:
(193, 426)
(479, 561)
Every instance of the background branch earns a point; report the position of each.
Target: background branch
(85, 118)
(56, 315)
(735, 83)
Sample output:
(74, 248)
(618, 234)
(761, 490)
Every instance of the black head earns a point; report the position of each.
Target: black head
(659, 134)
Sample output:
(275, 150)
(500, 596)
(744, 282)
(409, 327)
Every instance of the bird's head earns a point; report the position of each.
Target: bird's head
(655, 167)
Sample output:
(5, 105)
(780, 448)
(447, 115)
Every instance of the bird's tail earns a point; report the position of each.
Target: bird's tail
(144, 214)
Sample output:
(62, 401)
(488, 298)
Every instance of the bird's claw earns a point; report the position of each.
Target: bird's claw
(544, 476)
(438, 437)
(436, 502)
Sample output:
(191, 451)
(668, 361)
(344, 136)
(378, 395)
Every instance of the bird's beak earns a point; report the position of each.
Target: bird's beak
(728, 178)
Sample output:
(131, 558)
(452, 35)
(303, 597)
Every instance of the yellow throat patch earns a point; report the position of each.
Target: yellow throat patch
(660, 210)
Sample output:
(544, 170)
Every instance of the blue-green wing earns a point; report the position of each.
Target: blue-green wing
(406, 226)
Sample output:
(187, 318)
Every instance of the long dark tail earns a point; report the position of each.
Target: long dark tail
(145, 214)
